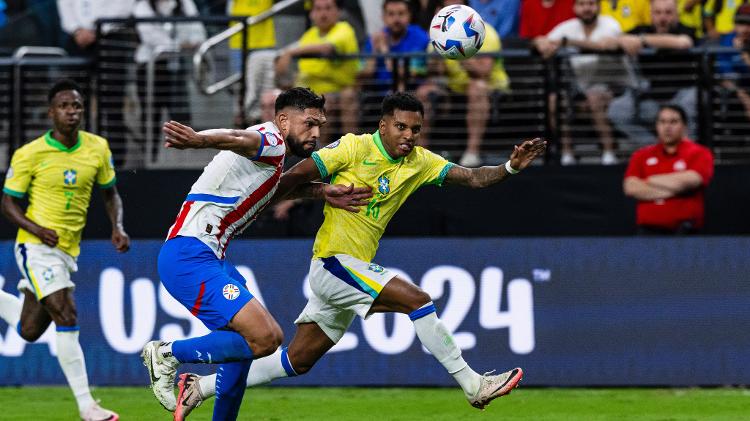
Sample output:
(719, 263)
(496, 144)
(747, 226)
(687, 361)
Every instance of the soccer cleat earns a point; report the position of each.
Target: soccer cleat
(97, 413)
(189, 396)
(491, 387)
(162, 370)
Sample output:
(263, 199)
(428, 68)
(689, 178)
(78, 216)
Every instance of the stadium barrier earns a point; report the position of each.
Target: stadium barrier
(570, 311)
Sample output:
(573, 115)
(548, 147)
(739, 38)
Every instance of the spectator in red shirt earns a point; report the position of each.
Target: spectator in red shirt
(538, 17)
(669, 178)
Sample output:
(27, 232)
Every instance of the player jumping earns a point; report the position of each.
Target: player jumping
(344, 281)
(233, 189)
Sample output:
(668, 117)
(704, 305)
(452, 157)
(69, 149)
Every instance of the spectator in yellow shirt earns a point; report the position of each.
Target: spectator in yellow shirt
(628, 13)
(335, 78)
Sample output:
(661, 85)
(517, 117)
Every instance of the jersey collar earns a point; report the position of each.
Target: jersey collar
(57, 145)
(379, 144)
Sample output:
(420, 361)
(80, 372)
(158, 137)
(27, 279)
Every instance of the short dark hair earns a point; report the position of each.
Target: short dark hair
(339, 4)
(300, 98)
(403, 101)
(406, 2)
(676, 108)
(63, 85)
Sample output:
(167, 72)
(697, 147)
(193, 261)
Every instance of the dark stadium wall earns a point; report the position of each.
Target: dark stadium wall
(544, 201)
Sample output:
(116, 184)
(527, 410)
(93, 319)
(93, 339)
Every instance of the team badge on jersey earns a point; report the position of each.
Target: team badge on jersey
(70, 177)
(231, 292)
(384, 185)
(48, 275)
(376, 268)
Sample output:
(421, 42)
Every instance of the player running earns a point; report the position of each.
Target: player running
(58, 172)
(233, 189)
(344, 281)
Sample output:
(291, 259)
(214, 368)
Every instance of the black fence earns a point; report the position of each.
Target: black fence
(128, 99)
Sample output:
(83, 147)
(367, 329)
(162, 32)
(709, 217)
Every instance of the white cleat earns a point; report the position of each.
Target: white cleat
(97, 413)
(491, 387)
(162, 370)
(189, 396)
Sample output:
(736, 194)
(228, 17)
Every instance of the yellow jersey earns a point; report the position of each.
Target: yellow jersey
(628, 13)
(261, 35)
(59, 181)
(724, 20)
(458, 78)
(363, 161)
(329, 75)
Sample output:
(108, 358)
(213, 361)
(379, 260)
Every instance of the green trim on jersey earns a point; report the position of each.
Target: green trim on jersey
(108, 185)
(379, 143)
(441, 178)
(58, 145)
(319, 163)
(13, 193)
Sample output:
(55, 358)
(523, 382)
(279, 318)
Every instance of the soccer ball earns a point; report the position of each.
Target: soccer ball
(457, 32)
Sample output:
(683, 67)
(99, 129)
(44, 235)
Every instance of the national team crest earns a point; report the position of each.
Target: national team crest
(231, 292)
(376, 268)
(48, 275)
(384, 185)
(70, 177)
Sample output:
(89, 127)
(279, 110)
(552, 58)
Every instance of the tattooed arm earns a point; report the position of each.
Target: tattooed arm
(476, 178)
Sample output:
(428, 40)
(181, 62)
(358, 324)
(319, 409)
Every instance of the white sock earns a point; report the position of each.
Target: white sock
(10, 308)
(70, 356)
(262, 371)
(438, 340)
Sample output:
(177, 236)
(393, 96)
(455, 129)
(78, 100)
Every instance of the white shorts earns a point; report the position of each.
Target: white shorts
(343, 287)
(45, 269)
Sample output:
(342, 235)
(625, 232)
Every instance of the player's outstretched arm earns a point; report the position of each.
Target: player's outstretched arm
(523, 155)
(242, 142)
(113, 205)
(15, 214)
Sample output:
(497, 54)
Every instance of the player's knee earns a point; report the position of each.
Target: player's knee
(267, 344)
(30, 333)
(419, 299)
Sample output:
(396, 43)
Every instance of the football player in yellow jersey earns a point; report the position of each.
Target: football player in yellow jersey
(344, 281)
(58, 171)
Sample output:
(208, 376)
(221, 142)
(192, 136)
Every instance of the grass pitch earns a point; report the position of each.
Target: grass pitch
(384, 404)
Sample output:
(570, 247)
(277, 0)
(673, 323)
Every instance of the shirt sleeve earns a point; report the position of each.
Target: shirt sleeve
(635, 166)
(435, 168)
(702, 162)
(336, 157)
(18, 177)
(105, 176)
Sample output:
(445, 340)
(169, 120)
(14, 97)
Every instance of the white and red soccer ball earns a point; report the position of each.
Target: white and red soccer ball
(457, 32)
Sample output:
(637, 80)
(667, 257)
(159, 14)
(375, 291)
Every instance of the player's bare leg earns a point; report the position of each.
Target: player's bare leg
(61, 308)
(34, 318)
(401, 296)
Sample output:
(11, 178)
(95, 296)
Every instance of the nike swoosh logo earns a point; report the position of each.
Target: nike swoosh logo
(511, 377)
(366, 162)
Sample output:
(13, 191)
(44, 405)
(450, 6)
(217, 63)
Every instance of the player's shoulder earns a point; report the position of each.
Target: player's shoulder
(93, 140)
(421, 155)
(271, 133)
(32, 146)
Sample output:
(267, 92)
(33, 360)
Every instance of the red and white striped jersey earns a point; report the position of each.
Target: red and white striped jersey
(231, 192)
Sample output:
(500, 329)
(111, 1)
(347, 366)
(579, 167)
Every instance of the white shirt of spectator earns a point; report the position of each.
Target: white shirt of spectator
(585, 65)
(168, 35)
(231, 192)
(83, 14)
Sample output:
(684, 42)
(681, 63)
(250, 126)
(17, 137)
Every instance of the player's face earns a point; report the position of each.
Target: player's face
(669, 127)
(396, 17)
(586, 10)
(663, 14)
(66, 111)
(324, 13)
(304, 130)
(400, 132)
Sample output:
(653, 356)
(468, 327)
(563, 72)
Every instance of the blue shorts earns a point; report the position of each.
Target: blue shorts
(212, 289)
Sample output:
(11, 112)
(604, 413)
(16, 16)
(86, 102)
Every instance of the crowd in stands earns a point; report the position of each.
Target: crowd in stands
(622, 92)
